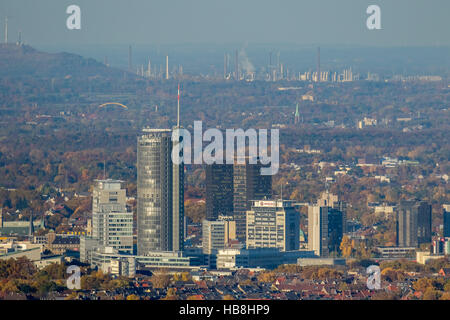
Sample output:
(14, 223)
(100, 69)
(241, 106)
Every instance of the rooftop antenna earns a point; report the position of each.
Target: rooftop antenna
(178, 107)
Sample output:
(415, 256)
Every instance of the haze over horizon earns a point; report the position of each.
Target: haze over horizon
(324, 22)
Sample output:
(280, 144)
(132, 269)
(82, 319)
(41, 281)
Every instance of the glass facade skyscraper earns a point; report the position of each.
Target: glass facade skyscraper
(160, 194)
(219, 190)
(248, 185)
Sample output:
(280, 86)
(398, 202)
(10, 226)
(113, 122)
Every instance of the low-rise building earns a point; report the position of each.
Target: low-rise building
(60, 243)
(423, 256)
(268, 258)
(317, 261)
(104, 258)
(396, 252)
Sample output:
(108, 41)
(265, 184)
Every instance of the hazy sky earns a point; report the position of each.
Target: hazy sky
(404, 22)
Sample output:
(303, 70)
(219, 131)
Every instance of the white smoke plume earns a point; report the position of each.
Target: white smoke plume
(244, 62)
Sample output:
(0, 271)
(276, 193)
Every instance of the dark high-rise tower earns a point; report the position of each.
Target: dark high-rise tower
(335, 229)
(219, 190)
(413, 223)
(446, 214)
(248, 184)
(326, 224)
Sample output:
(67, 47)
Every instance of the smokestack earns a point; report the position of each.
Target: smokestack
(167, 67)
(225, 62)
(6, 30)
(130, 62)
(237, 66)
(278, 61)
(318, 64)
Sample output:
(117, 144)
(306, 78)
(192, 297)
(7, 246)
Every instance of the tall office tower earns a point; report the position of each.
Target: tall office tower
(318, 230)
(219, 190)
(335, 229)
(248, 184)
(158, 204)
(273, 224)
(160, 191)
(112, 224)
(331, 200)
(446, 213)
(326, 224)
(178, 192)
(413, 223)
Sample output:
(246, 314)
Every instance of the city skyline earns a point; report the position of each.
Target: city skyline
(109, 190)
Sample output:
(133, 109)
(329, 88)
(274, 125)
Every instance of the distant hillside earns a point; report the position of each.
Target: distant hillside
(24, 61)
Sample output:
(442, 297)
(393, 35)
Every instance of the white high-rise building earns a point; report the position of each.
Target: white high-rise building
(318, 229)
(273, 224)
(112, 224)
